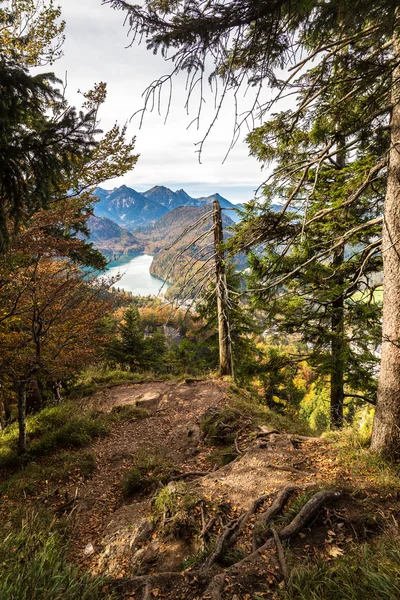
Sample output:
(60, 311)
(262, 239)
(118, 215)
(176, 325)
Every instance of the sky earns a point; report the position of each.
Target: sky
(96, 49)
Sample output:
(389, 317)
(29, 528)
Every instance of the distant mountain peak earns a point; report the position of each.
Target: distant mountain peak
(132, 209)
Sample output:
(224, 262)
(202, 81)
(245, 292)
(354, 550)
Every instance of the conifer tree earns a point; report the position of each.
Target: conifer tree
(248, 42)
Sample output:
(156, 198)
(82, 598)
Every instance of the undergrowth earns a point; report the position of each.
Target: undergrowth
(33, 566)
(366, 466)
(147, 470)
(176, 505)
(97, 377)
(369, 571)
(36, 477)
(51, 429)
(248, 404)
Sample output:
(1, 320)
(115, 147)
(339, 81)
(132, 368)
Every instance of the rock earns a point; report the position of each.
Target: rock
(148, 400)
(141, 532)
(89, 550)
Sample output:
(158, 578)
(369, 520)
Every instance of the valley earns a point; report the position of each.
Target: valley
(127, 223)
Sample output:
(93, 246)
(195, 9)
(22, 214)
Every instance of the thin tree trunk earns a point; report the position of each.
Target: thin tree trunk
(338, 344)
(7, 410)
(225, 343)
(22, 417)
(337, 371)
(386, 429)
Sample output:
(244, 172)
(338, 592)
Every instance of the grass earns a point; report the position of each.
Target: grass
(148, 469)
(369, 571)
(369, 468)
(249, 405)
(97, 377)
(33, 565)
(52, 429)
(65, 426)
(365, 296)
(35, 476)
(127, 412)
(176, 505)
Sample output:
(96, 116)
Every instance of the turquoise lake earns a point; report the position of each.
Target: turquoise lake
(135, 275)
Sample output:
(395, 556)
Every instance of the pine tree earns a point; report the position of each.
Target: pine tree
(249, 41)
(129, 347)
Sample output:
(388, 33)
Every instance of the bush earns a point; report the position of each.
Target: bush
(33, 565)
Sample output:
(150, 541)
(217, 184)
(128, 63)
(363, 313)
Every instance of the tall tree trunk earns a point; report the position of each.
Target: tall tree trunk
(338, 349)
(22, 417)
(386, 429)
(225, 342)
(338, 344)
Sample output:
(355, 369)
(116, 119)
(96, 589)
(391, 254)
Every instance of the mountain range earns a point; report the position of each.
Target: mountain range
(131, 209)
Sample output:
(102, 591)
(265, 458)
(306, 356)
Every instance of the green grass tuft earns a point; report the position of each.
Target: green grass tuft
(369, 572)
(126, 412)
(175, 504)
(148, 469)
(33, 566)
(99, 376)
(58, 427)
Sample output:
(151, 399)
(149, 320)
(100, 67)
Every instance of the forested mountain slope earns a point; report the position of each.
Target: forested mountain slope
(111, 239)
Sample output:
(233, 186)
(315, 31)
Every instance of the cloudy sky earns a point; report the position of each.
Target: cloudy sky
(96, 50)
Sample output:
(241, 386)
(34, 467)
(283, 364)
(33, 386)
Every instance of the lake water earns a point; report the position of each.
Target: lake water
(136, 276)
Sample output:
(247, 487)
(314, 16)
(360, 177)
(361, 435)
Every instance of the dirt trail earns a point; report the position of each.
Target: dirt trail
(171, 428)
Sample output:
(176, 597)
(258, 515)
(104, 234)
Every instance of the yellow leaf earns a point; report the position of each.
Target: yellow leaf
(335, 551)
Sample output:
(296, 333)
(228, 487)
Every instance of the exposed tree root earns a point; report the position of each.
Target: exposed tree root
(308, 511)
(288, 468)
(190, 474)
(281, 555)
(228, 537)
(275, 508)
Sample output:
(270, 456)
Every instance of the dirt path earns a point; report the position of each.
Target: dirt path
(171, 429)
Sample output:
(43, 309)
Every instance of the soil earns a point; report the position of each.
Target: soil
(121, 539)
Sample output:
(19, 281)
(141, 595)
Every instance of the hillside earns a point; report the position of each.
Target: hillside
(188, 495)
(111, 239)
(185, 257)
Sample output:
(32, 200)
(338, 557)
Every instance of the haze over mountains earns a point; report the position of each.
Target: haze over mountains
(131, 209)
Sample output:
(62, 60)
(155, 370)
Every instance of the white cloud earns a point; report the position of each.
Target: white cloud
(96, 50)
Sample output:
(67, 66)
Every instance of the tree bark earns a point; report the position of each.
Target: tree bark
(338, 344)
(386, 429)
(225, 343)
(338, 349)
(22, 417)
